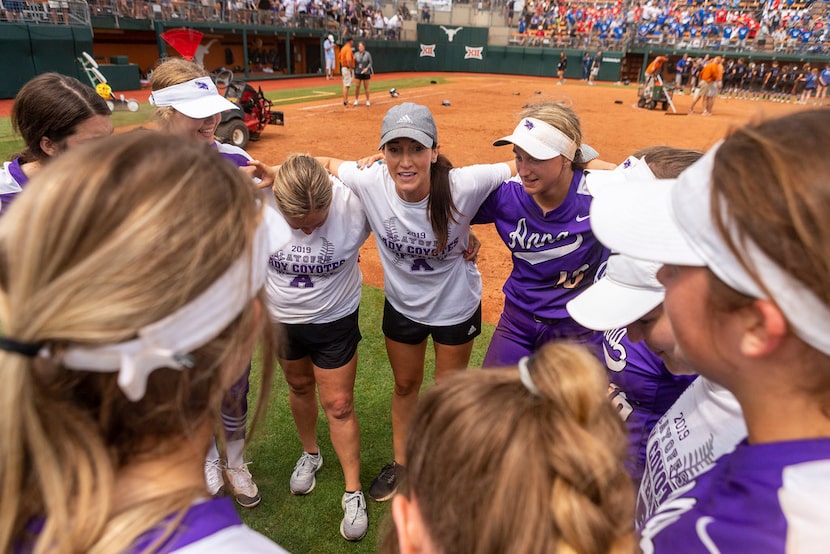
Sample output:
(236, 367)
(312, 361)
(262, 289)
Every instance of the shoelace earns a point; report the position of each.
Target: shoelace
(388, 474)
(353, 510)
(240, 473)
(307, 463)
(214, 472)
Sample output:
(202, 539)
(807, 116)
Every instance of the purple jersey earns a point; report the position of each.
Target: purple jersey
(12, 181)
(642, 390)
(237, 156)
(209, 526)
(555, 255)
(767, 498)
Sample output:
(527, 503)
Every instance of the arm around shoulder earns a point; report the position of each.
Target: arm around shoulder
(331, 164)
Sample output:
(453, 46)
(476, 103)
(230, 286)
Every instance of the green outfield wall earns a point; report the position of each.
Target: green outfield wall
(133, 49)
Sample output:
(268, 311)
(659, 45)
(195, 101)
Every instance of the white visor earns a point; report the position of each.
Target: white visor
(540, 140)
(632, 169)
(671, 222)
(197, 98)
(628, 291)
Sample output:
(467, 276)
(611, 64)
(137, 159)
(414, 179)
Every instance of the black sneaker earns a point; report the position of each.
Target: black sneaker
(386, 483)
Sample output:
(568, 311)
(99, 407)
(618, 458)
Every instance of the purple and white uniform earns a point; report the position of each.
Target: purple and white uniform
(705, 423)
(210, 526)
(425, 285)
(555, 255)
(12, 181)
(233, 154)
(315, 278)
(642, 390)
(769, 498)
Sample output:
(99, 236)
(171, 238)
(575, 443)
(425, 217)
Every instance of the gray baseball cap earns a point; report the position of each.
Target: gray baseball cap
(409, 120)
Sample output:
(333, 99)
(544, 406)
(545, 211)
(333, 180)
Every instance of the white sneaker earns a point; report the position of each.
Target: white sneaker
(368, 103)
(355, 520)
(355, 102)
(243, 487)
(303, 478)
(213, 477)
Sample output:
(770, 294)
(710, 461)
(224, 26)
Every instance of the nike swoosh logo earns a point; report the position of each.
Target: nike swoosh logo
(534, 258)
(581, 218)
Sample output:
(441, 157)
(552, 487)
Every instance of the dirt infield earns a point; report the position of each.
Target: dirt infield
(482, 109)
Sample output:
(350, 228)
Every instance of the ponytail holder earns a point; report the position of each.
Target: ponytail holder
(28, 349)
(524, 375)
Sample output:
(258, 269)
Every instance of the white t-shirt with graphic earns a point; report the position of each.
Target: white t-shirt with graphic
(704, 423)
(315, 278)
(429, 287)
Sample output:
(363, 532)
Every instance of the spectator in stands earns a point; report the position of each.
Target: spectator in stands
(761, 35)
(425, 15)
(379, 25)
(264, 12)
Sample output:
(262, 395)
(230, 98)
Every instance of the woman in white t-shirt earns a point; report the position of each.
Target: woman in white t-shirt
(313, 289)
(419, 209)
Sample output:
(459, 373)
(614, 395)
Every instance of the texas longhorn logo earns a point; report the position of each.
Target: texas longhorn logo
(451, 32)
(428, 50)
(474, 52)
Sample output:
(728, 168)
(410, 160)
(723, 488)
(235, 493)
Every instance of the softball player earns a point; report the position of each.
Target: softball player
(419, 209)
(542, 217)
(190, 107)
(623, 304)
(108, 416)
(744, 240)
(313, 287)
(52, 113)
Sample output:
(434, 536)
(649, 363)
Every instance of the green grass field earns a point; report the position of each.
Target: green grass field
(311, 523)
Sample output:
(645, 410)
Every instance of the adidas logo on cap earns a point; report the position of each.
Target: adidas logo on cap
(406, 119)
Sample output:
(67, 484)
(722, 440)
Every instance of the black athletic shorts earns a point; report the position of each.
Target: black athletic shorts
(330, 345)
(400, 328)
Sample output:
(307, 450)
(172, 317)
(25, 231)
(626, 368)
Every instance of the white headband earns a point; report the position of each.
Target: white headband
(168, 342)
(671, 222)
(197, 98)
(539, 139)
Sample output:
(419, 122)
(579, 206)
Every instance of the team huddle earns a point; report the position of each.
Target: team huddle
(654, 381)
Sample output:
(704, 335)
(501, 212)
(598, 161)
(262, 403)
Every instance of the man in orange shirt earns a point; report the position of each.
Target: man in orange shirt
(711, 81)
(347, 68)
(653, 72)
(654, 69)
